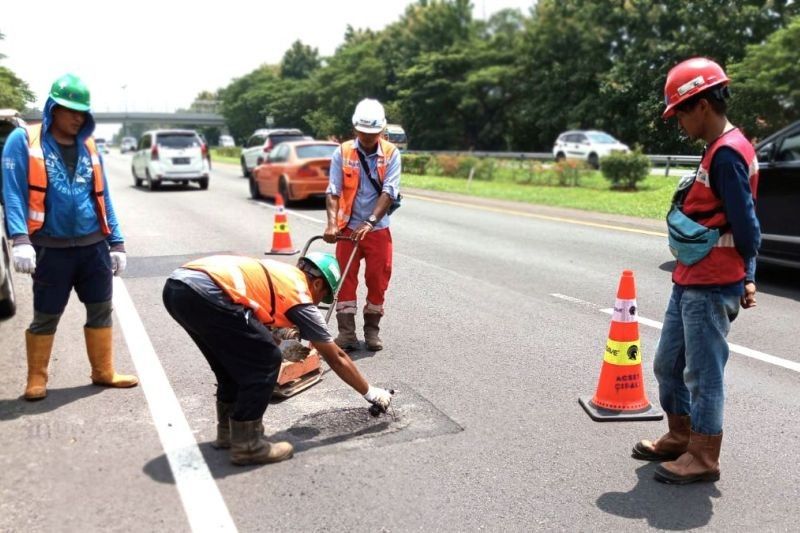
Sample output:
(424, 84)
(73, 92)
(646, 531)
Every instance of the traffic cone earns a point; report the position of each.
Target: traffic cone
(281, 240)
(620, 392)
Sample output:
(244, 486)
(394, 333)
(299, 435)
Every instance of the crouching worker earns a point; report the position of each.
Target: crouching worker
(227, 304)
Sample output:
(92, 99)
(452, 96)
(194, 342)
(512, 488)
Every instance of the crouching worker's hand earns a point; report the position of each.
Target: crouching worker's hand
(380, 398)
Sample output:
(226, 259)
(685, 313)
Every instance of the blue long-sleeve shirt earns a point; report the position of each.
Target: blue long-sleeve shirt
(367, 196)
(70, 207)
(730, 180)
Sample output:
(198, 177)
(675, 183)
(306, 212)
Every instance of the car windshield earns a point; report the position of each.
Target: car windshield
(396, 137)
(178, 140)
(315, 151)
(601, 138)
(277, 139)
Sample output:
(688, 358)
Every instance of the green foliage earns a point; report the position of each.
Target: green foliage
(415, 164)
(625, 170)
(299, 61)
(228, 151)
(14, 92)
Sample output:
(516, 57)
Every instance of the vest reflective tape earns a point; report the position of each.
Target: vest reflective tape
(625, 311)
(622, 353)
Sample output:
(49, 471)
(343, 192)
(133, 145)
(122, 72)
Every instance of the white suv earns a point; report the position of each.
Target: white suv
(588, 145)
(170, 155)
(261, 143)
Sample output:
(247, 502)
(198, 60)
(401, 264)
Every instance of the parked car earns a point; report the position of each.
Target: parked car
(127, 144)
(295, 169)
(226, 141)
(9, 120)
(261, 142)
(778, 197)
(170, 155)
(395, 134)
(586, 145)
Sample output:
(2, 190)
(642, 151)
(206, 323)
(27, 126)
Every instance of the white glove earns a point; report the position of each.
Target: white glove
(119, 260)
(380, 398)
(24, 258)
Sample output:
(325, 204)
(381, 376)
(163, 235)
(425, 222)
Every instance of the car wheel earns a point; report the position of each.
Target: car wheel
(203, 182)
(560, 157)
(136, 181)
(283, 189)
(151, 184)
(245, 172)
(255, 194)
(594, 161)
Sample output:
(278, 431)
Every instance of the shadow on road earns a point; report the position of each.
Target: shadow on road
(312, 431)
(668, 507)
(770, 279)
(13, 408)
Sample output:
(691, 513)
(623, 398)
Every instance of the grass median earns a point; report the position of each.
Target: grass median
(650, 200)
(224, 155)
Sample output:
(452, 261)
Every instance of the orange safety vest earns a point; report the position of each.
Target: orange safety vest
(723, 265)
(351, 173)
(37, 182)
(267, 287)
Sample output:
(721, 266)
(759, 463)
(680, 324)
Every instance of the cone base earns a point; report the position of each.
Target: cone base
(282, 252)
(599, 414)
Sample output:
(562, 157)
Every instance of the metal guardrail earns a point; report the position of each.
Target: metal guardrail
(666, 161)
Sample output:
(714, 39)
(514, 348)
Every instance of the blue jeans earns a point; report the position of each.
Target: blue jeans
(691, 355)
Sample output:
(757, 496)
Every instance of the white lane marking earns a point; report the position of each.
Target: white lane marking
(741, 350)
(295, 213)
(203, 503)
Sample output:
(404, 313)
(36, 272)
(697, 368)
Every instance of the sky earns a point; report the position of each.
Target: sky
(147, 55)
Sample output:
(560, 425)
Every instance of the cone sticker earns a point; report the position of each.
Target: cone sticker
(620, 391)
(281, 240)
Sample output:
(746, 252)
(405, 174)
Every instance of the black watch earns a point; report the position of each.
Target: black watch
(372, 219)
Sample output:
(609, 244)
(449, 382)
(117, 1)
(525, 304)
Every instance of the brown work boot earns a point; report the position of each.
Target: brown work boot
(699, 463)
(671, 445)
(99, 348)
(371, 329)
(347, 339)
(224, 411)
(249, 447)
(38, 348)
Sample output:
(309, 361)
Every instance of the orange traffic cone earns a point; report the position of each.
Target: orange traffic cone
(620, 392)
(281, 240)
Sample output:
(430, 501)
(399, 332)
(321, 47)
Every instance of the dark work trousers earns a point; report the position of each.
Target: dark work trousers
(87, 269)
(239, 349)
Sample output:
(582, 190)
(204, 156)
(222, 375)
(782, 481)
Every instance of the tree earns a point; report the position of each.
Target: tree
(299, 61)
(765, 82)
(14, 92)
(245, 100)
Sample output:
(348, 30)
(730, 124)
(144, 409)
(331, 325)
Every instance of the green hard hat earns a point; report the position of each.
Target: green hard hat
(70, 91)
(327, 265)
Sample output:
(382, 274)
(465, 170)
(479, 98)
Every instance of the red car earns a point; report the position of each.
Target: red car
(296, 169)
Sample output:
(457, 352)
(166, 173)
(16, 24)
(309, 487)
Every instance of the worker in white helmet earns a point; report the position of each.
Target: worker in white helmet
(363, 190)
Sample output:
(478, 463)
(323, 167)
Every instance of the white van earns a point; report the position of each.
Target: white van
(395, 134)
(178, 156)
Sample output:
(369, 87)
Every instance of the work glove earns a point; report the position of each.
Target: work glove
(24, 258)
(293, 351)
(380, 398)
(119, 260)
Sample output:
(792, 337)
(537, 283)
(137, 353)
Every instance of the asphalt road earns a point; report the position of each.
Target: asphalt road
(494, 327)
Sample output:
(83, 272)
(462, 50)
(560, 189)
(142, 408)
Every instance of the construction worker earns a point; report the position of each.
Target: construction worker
(60, 216)
(712, 278)
(364, 183)
(227, 304)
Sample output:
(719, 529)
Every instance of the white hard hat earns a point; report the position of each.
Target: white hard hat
(369, 116)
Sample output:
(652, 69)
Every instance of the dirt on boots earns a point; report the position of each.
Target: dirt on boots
(249, 447)
(371, 330)
(347, 339)
(224, 412)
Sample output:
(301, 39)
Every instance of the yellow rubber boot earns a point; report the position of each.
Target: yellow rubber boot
(38, 348)
(99, 347)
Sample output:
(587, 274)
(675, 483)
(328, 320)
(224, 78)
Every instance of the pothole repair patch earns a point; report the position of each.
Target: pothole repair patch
(325, 421)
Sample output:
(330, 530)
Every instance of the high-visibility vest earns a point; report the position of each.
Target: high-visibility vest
(269, 288)
(37, 182)
(723, 265)
(351, 173)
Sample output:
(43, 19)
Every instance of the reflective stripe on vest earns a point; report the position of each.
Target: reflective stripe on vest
(269, 288)
(351, 174)
(723, 265)
(37, 182)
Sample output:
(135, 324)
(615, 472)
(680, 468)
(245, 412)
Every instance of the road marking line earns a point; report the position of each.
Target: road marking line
(295, 213)
(741, 350)
(541, 217)
(203, 503)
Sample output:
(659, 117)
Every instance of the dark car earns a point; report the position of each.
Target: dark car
(778, 202)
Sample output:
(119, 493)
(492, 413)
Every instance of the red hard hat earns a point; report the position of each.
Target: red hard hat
(688, 78)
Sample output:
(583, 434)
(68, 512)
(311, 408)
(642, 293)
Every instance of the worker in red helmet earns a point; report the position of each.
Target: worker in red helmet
(714, 274)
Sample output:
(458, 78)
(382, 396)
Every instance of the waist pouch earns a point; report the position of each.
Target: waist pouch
(689, 241)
